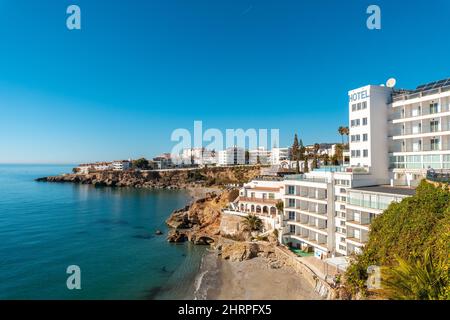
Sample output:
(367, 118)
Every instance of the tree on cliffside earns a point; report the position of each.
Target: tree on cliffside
(252, 223)
(295, 149)
(410, 240)
(141, 163)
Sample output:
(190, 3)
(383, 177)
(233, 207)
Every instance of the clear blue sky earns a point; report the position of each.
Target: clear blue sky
(140, 69)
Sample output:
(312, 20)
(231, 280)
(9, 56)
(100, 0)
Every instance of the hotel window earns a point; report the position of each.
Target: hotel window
(365, 137)
(435, 144)
(291, 215)
(291, 190)
(291, 228)
(364, 121)
(271, 196)
(291, 203)
(354, 107)
(365, 153)
(364, 105)
(252, 195)
(434, 108)
(357, 153)
(434, 126)
(355, 138)
(359, 106)
(355, 123)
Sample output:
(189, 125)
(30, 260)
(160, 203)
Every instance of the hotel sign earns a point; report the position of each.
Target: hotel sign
(364, 94)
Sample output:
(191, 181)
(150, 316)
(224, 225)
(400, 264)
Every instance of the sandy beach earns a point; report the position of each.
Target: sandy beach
(255, 280)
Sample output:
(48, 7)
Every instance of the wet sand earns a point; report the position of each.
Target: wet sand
(255, 280)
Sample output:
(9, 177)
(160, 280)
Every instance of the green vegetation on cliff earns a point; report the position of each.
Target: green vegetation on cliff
(411, 242)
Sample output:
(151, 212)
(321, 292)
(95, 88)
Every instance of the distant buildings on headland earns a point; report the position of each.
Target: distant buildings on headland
(202, 157)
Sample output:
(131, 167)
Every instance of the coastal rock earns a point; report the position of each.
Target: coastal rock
(170, 179)
(176, 236)
(239, 251)
(200, 221)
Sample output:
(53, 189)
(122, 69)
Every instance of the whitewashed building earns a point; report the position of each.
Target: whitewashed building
(259, 156)
(231, 156)
(278, 155)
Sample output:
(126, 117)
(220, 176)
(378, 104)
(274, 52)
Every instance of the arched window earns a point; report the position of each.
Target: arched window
(273, 211)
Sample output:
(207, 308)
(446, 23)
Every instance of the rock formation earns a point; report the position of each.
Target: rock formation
(169, 179)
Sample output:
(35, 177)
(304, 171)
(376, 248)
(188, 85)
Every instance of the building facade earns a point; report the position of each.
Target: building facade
(259, 156)
(231, 156)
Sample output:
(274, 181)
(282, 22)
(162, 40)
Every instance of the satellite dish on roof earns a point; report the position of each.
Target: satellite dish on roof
(391, 83)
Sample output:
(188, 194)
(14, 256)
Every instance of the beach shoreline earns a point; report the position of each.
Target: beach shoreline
(252, 279)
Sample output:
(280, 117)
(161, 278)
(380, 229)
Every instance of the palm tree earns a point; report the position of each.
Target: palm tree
(306, 168)
(423, 279)
(252, 223)
(346, 132)
(341, 132)
(280, 206)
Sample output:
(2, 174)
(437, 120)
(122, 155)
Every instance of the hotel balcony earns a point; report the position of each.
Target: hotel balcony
(303, 177)
(307, 192)
(357, 236)
(358, 219)
(312, 207)
(434, 143)
(310, 237)
(437, 126)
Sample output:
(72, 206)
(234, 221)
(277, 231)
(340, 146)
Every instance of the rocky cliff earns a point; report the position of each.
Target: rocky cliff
(169, 179)
(200, 221)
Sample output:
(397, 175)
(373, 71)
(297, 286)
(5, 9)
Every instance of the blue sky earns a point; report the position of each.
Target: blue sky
(140, 69)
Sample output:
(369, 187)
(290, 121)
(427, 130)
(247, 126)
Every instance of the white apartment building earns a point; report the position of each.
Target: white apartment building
(278, 155)
(231, 156)
(121, 165)
(92, 167)
(260, 197)
(259, 156)
(192, 156)
(363, 204)
(419, 122)
(315, 208)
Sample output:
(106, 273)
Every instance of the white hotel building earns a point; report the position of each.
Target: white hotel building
(396, 136)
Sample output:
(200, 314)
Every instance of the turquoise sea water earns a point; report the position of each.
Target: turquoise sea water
(109, 233)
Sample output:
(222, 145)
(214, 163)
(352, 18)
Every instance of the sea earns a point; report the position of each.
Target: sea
(108, 234)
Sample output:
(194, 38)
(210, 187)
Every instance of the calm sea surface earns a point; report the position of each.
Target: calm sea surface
(109, 233)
